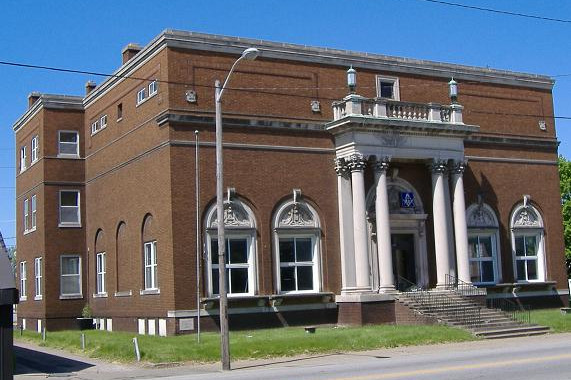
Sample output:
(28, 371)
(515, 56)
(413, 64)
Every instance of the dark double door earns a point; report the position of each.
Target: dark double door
(404, 265)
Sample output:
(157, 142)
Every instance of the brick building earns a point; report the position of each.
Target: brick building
(334, 200)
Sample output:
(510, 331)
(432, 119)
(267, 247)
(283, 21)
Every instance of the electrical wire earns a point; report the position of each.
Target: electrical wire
(498, 11)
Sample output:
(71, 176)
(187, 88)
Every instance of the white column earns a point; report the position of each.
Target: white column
(357, 165)
(348, 278)
(384, 249)
(460, 226)
(449, 225)
(438, 168)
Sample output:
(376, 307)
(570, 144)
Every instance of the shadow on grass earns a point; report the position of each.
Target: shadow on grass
(35, 362)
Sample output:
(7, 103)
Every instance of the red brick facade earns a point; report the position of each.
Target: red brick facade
(136, 175)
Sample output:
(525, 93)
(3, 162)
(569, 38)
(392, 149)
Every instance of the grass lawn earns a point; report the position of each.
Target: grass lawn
(118, 346)
(552, 318)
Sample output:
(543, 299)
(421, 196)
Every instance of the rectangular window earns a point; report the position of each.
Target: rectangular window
(526, 249)
(103, 121)
(388, 88)
(151, 265)
(26, 215)
(297, 264)
(237, 265)
(70, 282)
(101, 268)
(141, 96)
(119, 111)
(153, 88)
(69, 212)
(480, 249)
(23, 155)
(34, 212)
(38, 278)
(23, 280)
(35, 148)
(68, 143)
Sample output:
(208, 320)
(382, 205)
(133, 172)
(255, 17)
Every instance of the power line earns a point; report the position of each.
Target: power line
(491, 10)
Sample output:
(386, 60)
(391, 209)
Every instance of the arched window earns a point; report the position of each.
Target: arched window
(240, 236)
(150, 256)
(100, 265)
(483, 244)
(297, 245)
(527, 243)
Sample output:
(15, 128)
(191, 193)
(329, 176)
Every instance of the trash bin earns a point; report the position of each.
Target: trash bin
(8, 298)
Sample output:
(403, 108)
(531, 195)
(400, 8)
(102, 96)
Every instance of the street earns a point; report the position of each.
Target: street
(543, 357)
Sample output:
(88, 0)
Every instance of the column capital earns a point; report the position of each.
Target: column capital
(341, 167)
(458, 167)
(438, 166)
(382, 165)
(356, 162)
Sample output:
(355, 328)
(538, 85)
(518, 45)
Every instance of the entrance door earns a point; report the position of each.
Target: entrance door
(404, 266)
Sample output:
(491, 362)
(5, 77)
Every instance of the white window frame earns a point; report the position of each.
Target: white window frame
(35, 149)
(23, 281)
(103, 122)
(482, 222)
(70, 224)
(38, 279)
(63, 295)
(141, 95)
(394, 81)
(65, 143)
(23, 158)
(153, 88)
(34, 212)
(101, 273)
(213, 264)
(150, 266)
(26, 215)
(480, 234)
(314, 264)
(535, 229)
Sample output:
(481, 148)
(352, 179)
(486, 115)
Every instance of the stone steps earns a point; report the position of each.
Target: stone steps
(453, 309)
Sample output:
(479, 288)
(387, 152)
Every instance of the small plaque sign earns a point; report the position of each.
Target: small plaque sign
(406, 199)
(186, 324)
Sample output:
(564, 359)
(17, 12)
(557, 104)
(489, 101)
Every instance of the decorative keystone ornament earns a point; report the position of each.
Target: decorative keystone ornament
(191, 96)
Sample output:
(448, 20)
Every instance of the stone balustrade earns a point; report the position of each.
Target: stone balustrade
(356, 105)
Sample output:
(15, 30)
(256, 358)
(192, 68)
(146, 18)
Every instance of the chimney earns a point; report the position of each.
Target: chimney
(32, 97)
(130, 51)
(89, 86)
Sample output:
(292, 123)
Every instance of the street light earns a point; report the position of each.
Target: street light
(248, 54)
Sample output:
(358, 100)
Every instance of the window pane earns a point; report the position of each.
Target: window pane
(69, 137)
(238, 251)
(473, 246)
(215, 281)
(304, 278)
(214, 251)
(239, 280)
(69, 215)
(486, 246)
(286, 251)
(386, 90)
(148, 278)
(67, 148)
(475, 271)
(519, 249)
(531, 245)
(70, 285)
(69, 198)
(520, 265)
(487, 271)
(531, 269)
(287, 276)
(70, 265)
(304, 251)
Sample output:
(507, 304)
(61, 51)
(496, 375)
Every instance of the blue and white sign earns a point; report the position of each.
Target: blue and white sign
(406, 199)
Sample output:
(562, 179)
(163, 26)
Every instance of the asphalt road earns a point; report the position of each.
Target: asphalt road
(545, 357)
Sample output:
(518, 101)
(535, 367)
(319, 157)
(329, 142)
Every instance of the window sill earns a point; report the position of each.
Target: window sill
(70, 225)
(38, 298)
(127, 293)
(100, 295)
(120, 119)
(70, 296)
(147, 292)
(23, 298)
(68, 156)
(26, 232)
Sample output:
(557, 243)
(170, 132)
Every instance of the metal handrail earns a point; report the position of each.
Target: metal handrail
(464, 288)
(516, 312)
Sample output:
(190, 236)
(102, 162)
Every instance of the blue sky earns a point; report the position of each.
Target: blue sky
(89, 35)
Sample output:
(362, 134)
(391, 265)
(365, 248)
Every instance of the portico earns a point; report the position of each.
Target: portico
(384, 243)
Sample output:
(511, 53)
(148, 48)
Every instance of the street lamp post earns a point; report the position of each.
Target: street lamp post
(248, 54)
